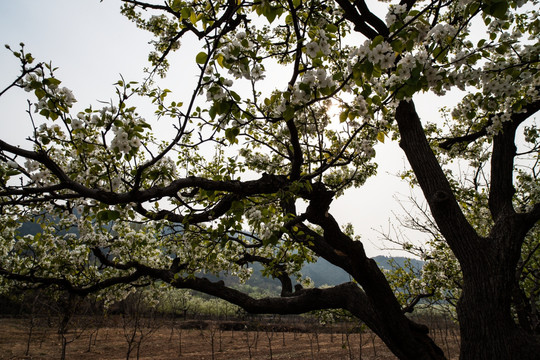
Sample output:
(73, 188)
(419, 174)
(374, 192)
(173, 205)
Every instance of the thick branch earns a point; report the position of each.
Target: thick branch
(359, 22)
(502, 189)
(335, 246)
(502, 163)
(297, 158)
(465, 139)
(453, 225)
(371, 18)
(345, 296)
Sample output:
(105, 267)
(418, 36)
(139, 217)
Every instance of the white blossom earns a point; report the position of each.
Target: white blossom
(77, 124)
(312, 49)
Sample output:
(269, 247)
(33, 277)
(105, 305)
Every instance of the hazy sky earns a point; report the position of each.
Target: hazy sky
(92, 44)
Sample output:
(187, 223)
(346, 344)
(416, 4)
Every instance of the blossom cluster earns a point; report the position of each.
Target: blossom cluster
(123, 142)
(51, 97)
(395, 11)
(442, 32)
(263, 226)
(235, 55)
(319, 45)
(217, 91)
(364, 147)
(316, 79)
(381, 54)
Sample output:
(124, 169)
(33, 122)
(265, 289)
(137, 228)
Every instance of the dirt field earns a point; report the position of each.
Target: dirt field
(171, 341)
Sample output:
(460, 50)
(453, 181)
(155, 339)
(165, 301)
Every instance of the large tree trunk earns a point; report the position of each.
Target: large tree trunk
(488, 330)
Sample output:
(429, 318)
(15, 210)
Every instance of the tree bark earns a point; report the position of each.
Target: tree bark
(488, 330)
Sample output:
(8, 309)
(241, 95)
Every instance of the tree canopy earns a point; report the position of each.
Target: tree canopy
(287, 102)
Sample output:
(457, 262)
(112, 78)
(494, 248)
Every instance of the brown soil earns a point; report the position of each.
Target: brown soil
(167, 340)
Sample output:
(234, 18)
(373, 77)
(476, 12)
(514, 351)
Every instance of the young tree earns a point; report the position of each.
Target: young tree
(249, 147)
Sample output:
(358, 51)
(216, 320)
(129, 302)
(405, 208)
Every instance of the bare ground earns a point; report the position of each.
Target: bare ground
(169, 340)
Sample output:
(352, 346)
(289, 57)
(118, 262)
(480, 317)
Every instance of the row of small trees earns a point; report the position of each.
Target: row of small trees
(139, 317)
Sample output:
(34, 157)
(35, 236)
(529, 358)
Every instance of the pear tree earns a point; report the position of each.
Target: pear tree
(287, 101)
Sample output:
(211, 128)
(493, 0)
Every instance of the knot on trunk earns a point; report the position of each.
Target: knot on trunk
(440, 196)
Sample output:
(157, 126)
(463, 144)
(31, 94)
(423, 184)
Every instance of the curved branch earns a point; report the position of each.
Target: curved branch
(218, 210)
(371, 18)
(265, 184)
(68, 286)
(467, 139)
(281, 275)
(345, 296)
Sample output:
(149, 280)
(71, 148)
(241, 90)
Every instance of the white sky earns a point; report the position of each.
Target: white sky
(92, 44)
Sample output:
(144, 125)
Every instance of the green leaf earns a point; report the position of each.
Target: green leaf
(378, 39)
(40, 93)
(12, 172)
(231, 135)
(288, 114)
(212, 112)
(497, 8)
(331, 28)
(45, 112)
(367, 68)
(220, 59)
(343, 116)
(176, 5)
(502, 49)
(237, 207)
(194, 17)
(186, 12)
(201, 57)
(397, 46)
(108, 215)
(473, 7)
(29, 59)
(51, 81)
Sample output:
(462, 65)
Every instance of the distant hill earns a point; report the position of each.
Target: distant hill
(324, 273)
(321, 272)
(384, 262)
